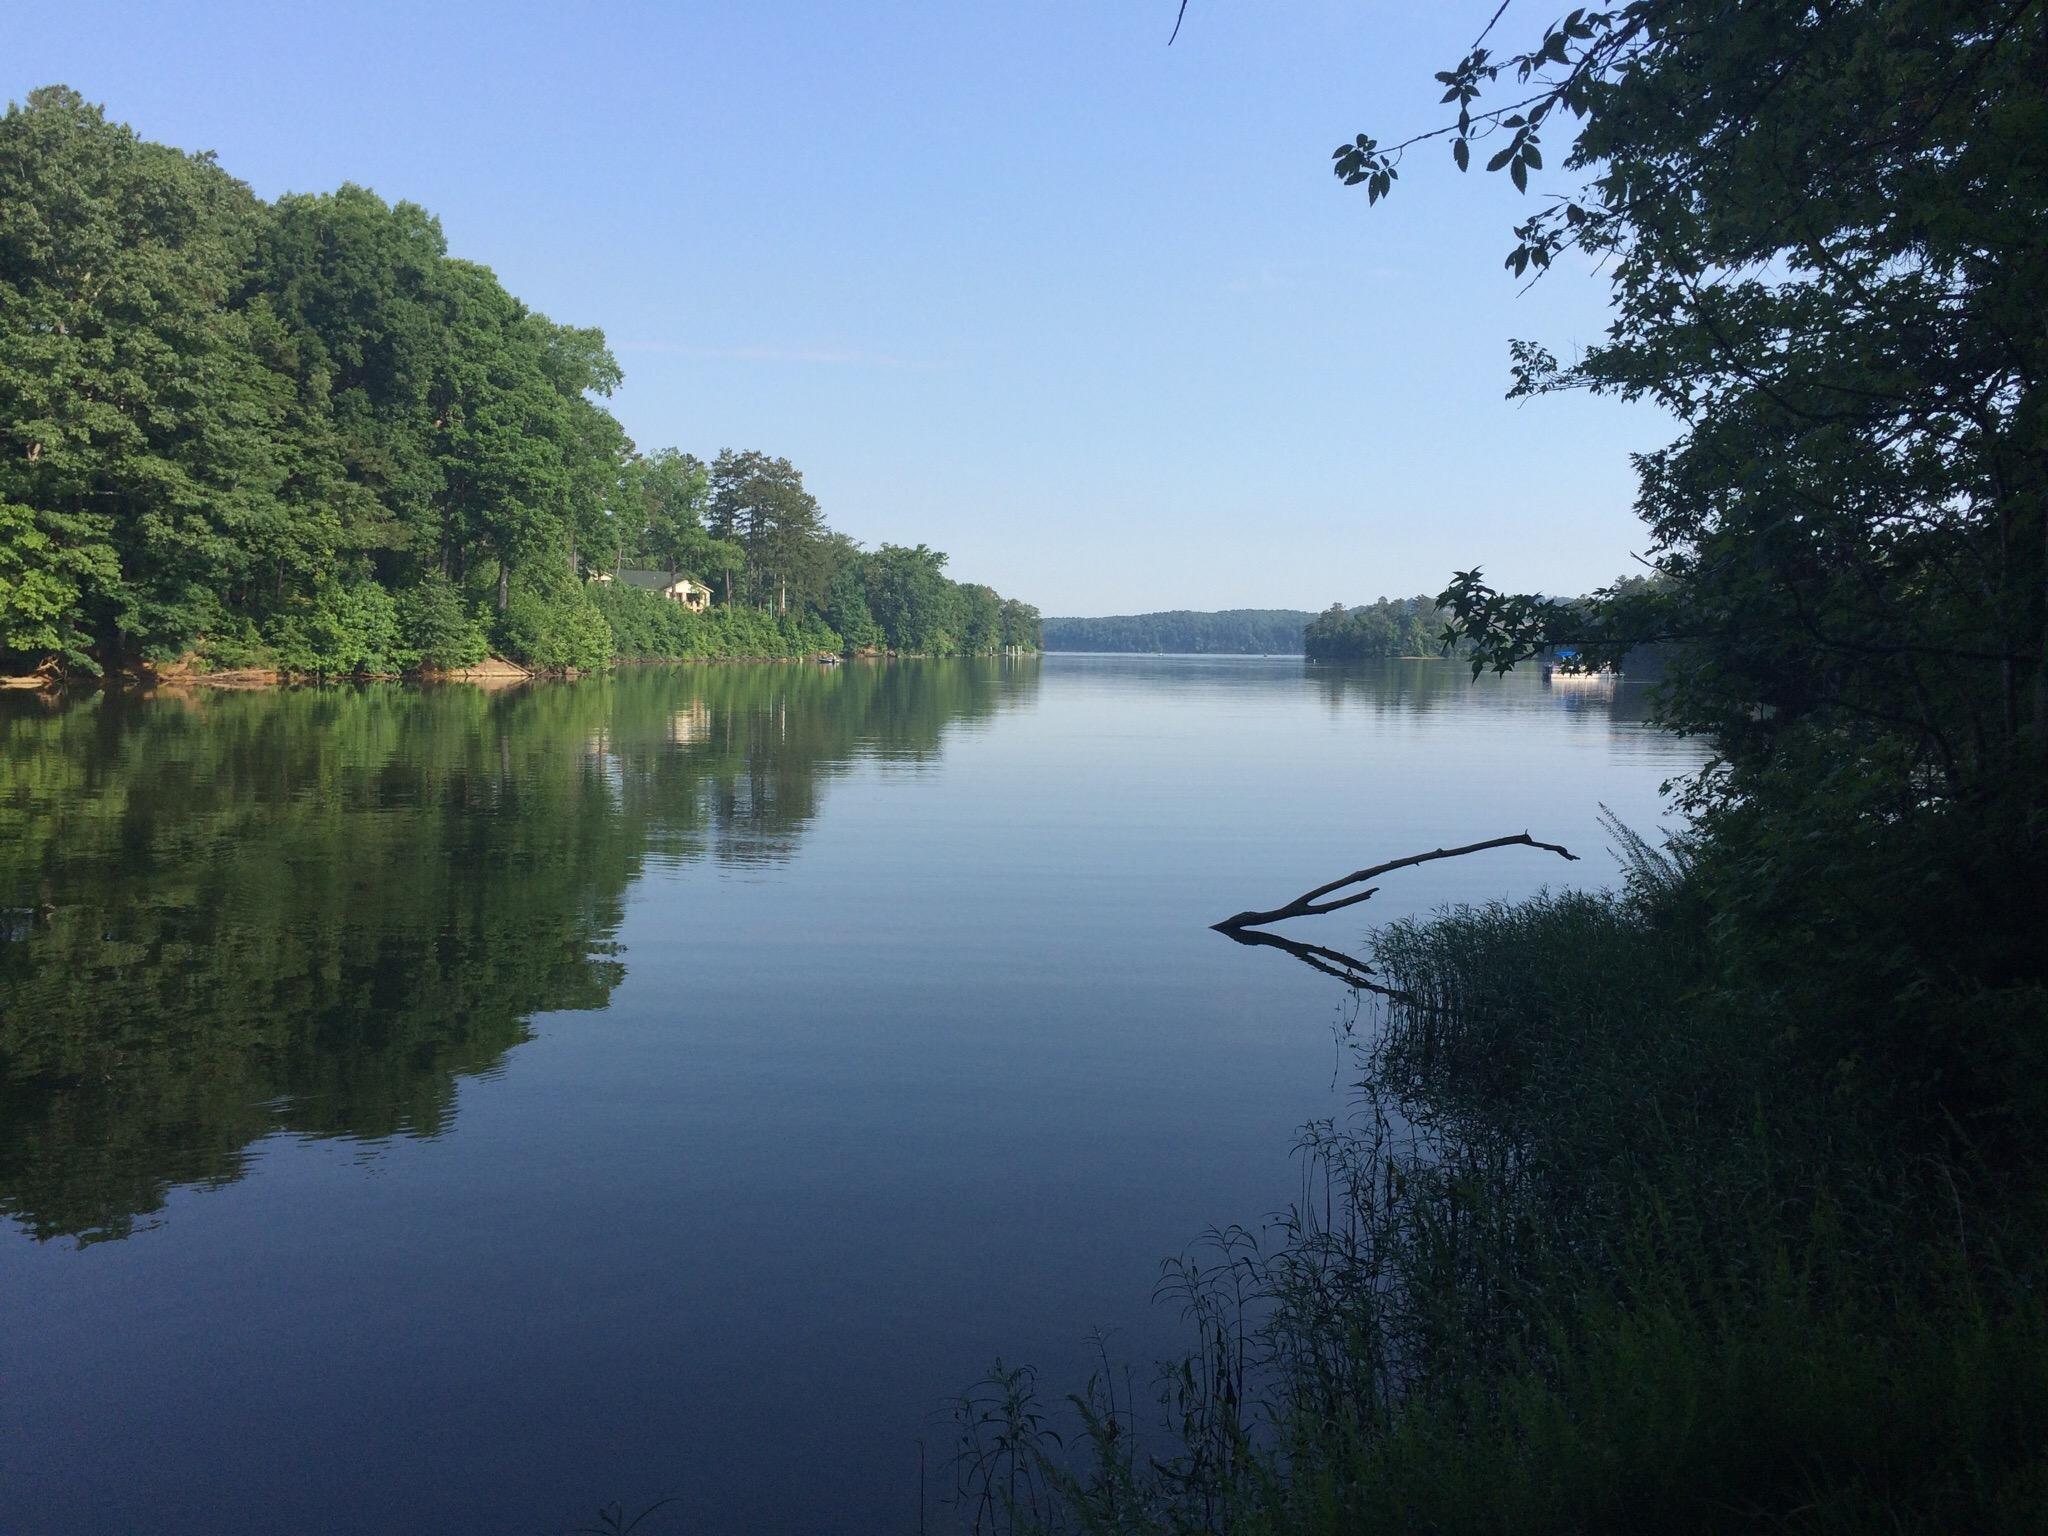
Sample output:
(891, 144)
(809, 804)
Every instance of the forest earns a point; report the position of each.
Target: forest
(1393, 626)
(301, 436)
(1230, 632)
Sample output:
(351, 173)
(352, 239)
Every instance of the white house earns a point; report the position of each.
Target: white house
(693, 595)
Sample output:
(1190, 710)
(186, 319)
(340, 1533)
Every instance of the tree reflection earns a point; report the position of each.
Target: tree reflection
(228, 915)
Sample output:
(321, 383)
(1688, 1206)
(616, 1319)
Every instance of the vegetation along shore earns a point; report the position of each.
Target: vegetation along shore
(302, 438)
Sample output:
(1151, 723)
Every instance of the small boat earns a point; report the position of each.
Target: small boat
(827, 659)
(1562, 668)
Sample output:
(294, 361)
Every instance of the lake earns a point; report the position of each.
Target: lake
(432, 1109)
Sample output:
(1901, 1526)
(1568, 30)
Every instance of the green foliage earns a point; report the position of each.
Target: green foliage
(1849, 536)
(341, 629)
(435, 626)
(759, 504)
(670, 490)
(646, 626)
(1717, 1206)
(1393, 626)
(1022, 628)
(146, 396)
(552, 621)
(1232, 632)
(219, 418)
(846, 609)
(50, 564)
(908, 596)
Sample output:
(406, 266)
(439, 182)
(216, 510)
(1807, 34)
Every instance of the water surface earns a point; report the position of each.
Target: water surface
(446, 1110)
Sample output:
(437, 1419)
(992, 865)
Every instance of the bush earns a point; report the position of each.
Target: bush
(552, 625)
(437, 627)
(233, 644)
(341, 629)
(648, 627)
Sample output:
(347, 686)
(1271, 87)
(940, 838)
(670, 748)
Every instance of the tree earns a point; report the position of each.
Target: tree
(760, 503)
(303, 435)
(846, 608)
(1393, 626)
(1023, 630)
(359, 286)
(1826, 228)
(981, 620)
(906, 594)
(672, 489)
(143, 397)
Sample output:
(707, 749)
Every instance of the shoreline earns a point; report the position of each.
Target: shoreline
(492, 672)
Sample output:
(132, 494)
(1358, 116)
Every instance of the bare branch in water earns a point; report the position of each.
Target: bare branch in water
(1311, 903)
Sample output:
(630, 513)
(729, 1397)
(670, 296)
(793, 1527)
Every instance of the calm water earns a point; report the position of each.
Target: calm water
(439, 1110)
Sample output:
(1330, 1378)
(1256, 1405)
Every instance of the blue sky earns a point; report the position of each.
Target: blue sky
(1015, 280)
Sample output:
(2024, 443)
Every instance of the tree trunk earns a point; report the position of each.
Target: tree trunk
(504, 584)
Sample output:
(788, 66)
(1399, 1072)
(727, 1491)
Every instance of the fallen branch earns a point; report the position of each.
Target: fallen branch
(1311, 904)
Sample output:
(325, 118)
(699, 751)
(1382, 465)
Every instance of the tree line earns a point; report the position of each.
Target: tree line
(1230, 632)
(1391, 626)
(302, 435)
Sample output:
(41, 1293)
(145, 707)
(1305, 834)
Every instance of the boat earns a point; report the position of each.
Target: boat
(1560, 669)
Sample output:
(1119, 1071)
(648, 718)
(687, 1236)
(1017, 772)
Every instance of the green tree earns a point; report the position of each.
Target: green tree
(1023, 630)
(906, 595)
(846, 608)
(303, 435)
(673, 488)
(1824, 227)
(981, 620)
(1393, 626)
(143, 393)
(360, 286)
(760, 503)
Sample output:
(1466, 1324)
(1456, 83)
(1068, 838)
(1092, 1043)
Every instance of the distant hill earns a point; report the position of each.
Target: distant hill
(1233, 632)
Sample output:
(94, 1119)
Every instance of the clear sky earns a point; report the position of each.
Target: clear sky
(1016, 280)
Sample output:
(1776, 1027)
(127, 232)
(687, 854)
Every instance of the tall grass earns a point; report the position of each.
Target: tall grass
(1599, 1248)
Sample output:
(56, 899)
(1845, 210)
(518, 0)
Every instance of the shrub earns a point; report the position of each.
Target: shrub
(551, 624)
(648, 627)
(341, 629)
(437, 627)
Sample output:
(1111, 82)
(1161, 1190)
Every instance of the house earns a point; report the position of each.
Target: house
(693, 595)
